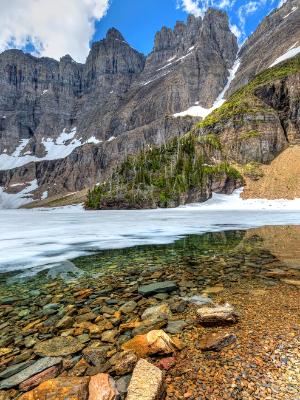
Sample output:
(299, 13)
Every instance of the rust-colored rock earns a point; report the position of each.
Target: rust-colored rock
(36, 380)
(66, 388)
(154, 342)
(166, 363)
(103, 387)
(216, 341)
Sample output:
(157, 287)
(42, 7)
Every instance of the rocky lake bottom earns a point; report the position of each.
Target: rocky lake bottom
(216, 315)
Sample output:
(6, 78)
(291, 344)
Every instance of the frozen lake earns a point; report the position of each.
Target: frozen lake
(36, 238)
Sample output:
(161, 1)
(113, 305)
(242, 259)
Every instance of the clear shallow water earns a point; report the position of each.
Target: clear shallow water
(35, 238)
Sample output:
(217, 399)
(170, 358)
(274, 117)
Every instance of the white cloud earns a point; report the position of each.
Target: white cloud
(236, 31)
(54, 28)
(281, 3)
(199, 7)
(248, 8)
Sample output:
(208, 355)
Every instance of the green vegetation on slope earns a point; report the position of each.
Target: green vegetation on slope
(244, 101)
(163, 176)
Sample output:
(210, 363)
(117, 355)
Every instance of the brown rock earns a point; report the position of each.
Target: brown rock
(216, 341)
(123, 363)
(129, 325)
(86, 317)
(58, 346)
(166, 363)
(146, 382)
(80, 368)
(219, 315)
(67, 388)
(154, 342)
(65, 323)
(291, 282)
(103, 387)
(43, 376)
(96, 355)
(161, 311)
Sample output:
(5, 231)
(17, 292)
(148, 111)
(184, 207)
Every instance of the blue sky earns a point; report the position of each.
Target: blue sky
(139, 20)
(59, 27)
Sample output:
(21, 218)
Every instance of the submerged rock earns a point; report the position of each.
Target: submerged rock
(146, 382)
(37, 367)
(157, 287)
(15, 369)
(58, 346)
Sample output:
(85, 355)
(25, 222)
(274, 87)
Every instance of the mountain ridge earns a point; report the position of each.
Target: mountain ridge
(122, 101)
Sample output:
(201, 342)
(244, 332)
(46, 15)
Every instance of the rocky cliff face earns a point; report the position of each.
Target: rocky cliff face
(252, 128)
(65, 124)
(277, 34)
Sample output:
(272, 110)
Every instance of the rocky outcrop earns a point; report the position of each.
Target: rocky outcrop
(275, 35)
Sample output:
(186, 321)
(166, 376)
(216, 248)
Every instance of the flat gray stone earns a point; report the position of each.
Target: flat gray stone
(199, 300)
(30, 371)
(157, 287)
(175, 327)
(15, 369)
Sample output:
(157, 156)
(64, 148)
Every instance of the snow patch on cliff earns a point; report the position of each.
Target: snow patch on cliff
(55, 149)
(16, 200)
(199, 111)
(293, 10)
(292, 52)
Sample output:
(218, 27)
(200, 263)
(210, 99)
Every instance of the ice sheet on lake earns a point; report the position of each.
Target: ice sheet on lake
(33, 238)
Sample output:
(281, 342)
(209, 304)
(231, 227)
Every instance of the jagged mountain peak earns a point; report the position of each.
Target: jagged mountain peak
(114, 34)
(120, 100)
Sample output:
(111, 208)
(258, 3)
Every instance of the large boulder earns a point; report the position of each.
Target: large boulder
(146, 382)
